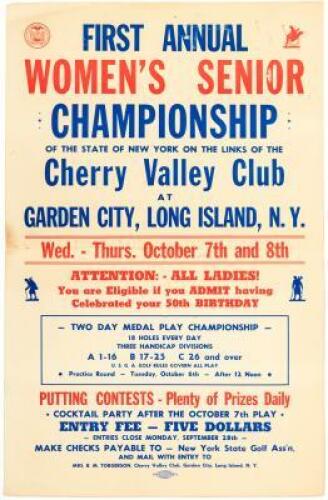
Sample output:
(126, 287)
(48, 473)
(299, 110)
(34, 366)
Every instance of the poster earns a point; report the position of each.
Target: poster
(164, 328)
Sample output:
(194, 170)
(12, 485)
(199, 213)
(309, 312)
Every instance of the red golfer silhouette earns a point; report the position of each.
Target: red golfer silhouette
(293, 38)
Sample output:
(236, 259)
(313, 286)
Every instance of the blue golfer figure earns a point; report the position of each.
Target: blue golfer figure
(297, 289)
(30, 290)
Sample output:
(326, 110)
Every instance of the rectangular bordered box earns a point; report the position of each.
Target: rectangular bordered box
(43, 382)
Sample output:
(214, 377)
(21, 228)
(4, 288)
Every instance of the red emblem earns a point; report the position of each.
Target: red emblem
(37, 35)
